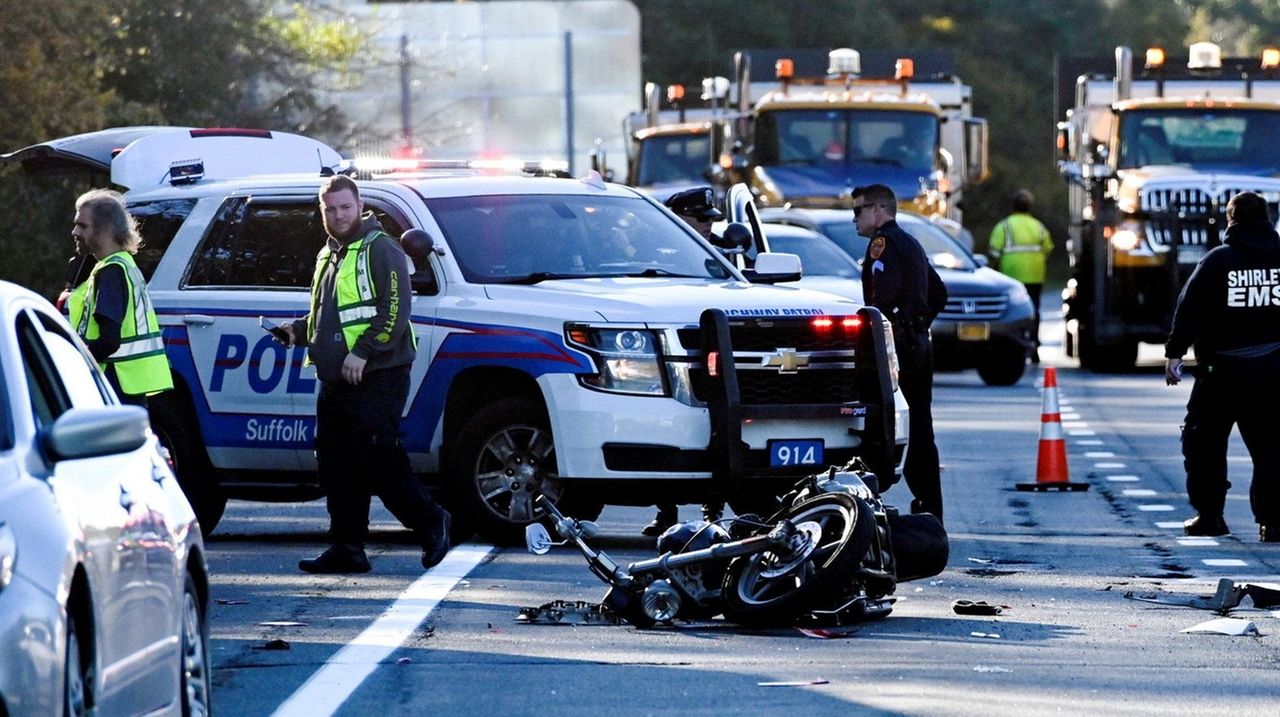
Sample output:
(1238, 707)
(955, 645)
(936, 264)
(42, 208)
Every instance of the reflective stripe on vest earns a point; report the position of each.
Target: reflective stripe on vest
(1012, 247)
(357, 297)
(140, 363)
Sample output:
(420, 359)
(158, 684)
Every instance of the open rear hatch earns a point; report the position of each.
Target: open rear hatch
(144, 157)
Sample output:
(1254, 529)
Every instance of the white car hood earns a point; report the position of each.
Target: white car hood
(667, 301)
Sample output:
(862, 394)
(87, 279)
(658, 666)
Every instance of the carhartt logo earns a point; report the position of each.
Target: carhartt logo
(786, 361)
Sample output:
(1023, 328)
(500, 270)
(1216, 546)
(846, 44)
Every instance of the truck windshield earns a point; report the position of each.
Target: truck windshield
(533, 238)
(1248, 139)
(847, 137)
(673, 158)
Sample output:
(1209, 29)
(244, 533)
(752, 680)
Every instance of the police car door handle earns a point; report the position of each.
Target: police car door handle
(197, 320)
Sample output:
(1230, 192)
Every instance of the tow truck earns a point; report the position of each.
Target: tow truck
(1150, 163)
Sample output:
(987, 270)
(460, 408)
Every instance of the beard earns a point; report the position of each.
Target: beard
(341, 233)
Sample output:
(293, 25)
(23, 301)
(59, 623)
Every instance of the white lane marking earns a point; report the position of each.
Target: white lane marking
(1125, 479)
(1169, 524)
(1069, 416)
(1197, 542)
(1224, 562)
(1099, 454)
(328, 688)
(1075, 424)
(1156, 508)
(1089, 443)
(1138, 492)
(1081, 432)
(1108, 465)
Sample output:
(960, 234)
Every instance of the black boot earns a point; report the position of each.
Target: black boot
(1205, 525)
(436, 544)
(711, 512)
(341, 558)
(666, 517)
(1269, 532)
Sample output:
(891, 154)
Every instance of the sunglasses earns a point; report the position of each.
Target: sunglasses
(858, 208)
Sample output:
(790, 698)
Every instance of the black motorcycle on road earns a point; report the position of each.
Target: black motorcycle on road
(832, 555)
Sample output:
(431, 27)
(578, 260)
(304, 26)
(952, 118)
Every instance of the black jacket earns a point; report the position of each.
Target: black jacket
(899, 280)
(1230, 307)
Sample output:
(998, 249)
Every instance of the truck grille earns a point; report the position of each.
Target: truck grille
(1200, 213)
(974, 308)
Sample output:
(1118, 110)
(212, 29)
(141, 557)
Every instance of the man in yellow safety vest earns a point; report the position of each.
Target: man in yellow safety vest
(359, 337)
(1019, 247)
(112, 311)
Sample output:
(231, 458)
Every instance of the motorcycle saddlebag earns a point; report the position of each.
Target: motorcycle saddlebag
(920, 547)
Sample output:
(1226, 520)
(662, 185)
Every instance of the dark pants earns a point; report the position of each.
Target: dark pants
(359, 453)
(1034, 290)
(921, 470)
(1218, 401)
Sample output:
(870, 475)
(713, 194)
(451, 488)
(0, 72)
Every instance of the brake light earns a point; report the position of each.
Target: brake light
(713, 364)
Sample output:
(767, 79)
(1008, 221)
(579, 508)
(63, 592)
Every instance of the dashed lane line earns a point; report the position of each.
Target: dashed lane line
(1155, 508)
(1123, 479)
(328, 688)
(1138, 492)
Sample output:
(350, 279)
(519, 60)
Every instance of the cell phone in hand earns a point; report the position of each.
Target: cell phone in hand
(276, 330)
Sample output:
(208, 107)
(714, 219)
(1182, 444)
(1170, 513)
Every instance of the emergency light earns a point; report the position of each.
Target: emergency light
(1155, 58)
(1205, 56)
(1270, 58)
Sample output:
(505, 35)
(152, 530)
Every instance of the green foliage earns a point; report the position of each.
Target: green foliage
(72, 66)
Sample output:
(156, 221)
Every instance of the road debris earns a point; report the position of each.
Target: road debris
(1228, 596)
(276, 644)
(976, 607)
(226, 601)
(794, 683)
(282, 623)
(1234, 626)
(989, 668)
(568, 612)
(991, 635)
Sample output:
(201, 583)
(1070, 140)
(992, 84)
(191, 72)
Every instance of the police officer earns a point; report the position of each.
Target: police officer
(1019, 247)
(1230, 311)
(697, 207)
(898, 279)
(360, 339)
(112, 311)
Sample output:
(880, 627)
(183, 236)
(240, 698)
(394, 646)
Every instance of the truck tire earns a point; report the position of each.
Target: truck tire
(1003, 364)
(501, 460)
(1118, 357)
(175, 425)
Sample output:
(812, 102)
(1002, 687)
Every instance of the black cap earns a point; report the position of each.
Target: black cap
(698, 203)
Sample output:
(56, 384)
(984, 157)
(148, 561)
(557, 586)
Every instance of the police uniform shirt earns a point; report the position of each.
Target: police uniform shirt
(1231, 303)
(898, 279)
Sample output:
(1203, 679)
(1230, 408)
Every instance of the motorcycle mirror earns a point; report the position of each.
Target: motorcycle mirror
(537, 539)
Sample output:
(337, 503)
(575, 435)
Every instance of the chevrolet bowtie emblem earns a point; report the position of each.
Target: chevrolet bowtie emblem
(786, 361)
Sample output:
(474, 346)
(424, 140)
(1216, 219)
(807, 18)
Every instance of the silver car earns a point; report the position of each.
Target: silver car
(104, 591)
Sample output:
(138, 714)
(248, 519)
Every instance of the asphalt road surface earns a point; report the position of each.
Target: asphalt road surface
(1067, 566)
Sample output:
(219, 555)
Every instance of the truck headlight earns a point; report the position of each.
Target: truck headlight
(627, 359)
(1127, 235)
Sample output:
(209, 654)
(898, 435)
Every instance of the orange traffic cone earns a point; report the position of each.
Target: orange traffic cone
(1051, 465)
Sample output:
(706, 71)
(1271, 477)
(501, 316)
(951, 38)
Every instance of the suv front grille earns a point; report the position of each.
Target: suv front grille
(974, 308)
(784, 361)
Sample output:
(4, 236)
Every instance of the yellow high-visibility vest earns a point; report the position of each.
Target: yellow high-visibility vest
(140, 363)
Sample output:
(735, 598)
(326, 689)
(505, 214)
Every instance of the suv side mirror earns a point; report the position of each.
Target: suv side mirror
(774, 267)
(419, 246)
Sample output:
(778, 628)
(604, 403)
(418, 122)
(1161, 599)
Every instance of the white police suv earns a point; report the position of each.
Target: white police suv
(575, 338)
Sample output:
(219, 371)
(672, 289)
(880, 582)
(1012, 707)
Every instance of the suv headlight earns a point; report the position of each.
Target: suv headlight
(1018, 295)
(627, 359)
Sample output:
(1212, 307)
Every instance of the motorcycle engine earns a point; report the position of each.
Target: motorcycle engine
(700, 580)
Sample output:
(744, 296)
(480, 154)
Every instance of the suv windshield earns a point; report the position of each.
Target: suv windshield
(512, 239)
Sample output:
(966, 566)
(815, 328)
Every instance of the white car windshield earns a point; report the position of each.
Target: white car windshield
(529, 239)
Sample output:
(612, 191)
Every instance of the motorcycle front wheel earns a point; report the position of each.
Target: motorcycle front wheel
(771, 589)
